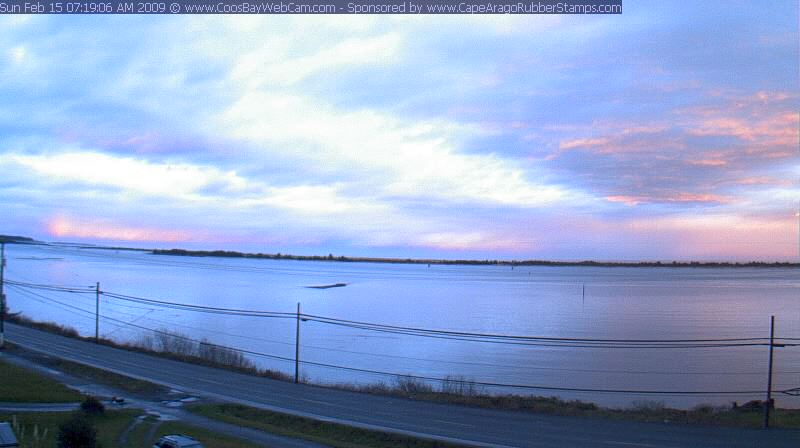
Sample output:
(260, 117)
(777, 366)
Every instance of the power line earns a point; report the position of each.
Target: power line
(587, 344)
(418, 377)
(428, 359)
(478, 383)
(42, 299)
(74, 289)
(540, 341)
(201, 308)
(384, 355)
(177, 305)
(324, 319)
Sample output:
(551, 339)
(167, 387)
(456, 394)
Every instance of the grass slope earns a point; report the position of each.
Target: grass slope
(39, 429)
(326, 433)
(20, 385)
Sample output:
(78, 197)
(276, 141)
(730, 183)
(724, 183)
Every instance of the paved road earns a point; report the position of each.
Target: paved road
(164, 410)
(480, 427)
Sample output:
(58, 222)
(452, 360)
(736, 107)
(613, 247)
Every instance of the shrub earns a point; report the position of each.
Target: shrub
(92, 406)
(171, 342)
(459, 385)
(184, 348)
(648, 406)
(707, 409)
(45, 326)
(750, 406)
(410, 385)
(77, 432)
(223, 355)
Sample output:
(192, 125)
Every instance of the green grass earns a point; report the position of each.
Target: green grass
(21, 385)
(117, 381)
(326, 433)
(461, 391)
(707, 415)
(45, 425)
(138, 435)
(749, 416)
(125, 383)
(39, 430)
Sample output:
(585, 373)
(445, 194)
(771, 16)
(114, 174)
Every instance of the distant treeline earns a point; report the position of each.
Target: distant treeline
(15, 239)
(331, 257)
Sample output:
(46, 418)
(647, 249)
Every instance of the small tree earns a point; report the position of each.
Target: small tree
(92, 406)
(77, 432)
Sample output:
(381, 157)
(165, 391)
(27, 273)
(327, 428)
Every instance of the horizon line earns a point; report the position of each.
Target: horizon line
(406, 260)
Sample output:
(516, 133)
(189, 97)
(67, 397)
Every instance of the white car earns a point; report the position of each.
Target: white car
(177, 441)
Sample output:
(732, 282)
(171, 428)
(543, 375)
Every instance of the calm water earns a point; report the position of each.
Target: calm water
(620, 303)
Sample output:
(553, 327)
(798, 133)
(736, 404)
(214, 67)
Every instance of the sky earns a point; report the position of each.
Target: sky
(669, 132)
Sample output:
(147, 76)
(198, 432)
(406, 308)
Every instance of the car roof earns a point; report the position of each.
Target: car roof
(181, 439)
(7, 437)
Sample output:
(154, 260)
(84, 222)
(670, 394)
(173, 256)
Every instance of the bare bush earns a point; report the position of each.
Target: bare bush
(52, 327)
(379, 388)
(171, 342)
(93, 406)
(460, 385)
(77, 432)
(648, 406)
(223, 355)
(145, 342)
(708, 409)
(410, 385)
(185, 348)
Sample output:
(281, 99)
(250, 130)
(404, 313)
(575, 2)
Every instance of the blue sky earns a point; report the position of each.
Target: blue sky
(668, 132)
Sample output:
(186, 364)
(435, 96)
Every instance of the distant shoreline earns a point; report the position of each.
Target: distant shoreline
(511, 263)
(344, 259)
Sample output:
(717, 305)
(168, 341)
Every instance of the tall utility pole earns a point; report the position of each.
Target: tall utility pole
(97, 313)
(297, 348)
(2, 295)
(768, 403)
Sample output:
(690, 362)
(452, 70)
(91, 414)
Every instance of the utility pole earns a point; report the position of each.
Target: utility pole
(768, 403)
(2, 295)
(297, 348)
(97, 313)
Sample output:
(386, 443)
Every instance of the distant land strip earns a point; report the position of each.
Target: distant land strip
(331, 257)
(341, 258)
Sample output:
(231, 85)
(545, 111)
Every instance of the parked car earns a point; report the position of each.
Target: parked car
(7, 437)
(177, 441)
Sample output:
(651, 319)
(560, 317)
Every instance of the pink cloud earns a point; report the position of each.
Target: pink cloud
(682, 197)
(763, 119)
(623, 138)
(709, 162)
(62, 226)
(770, 97)
(583, 143)
(724, 236)
(761, 180)
(693, 197)
(644, 129)
(724, 126)
(627, 200)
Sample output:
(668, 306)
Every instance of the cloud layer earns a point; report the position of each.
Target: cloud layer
(629, 137)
